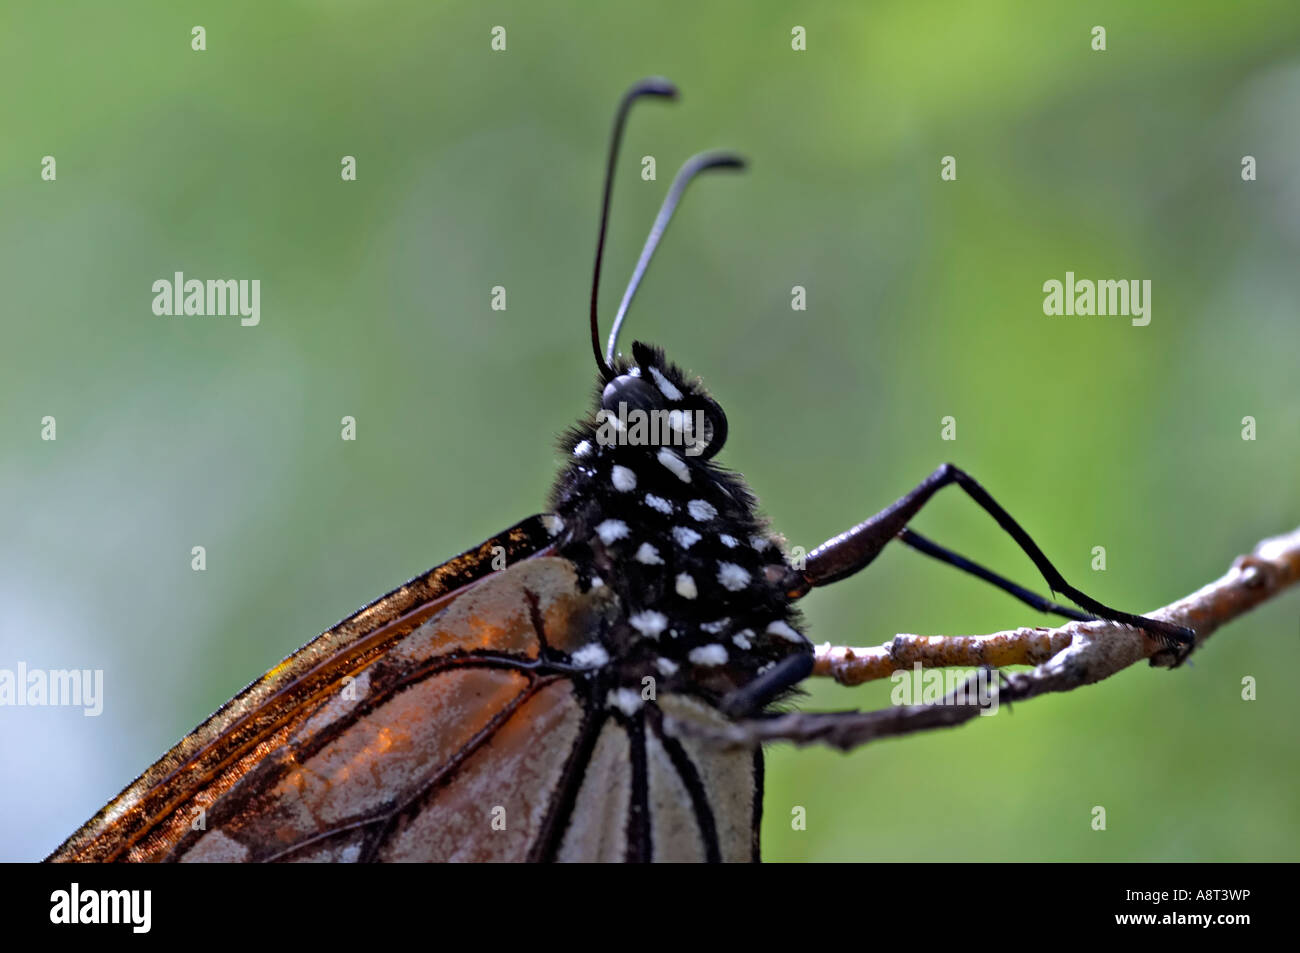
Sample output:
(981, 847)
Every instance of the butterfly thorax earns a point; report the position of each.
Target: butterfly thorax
(640, 508)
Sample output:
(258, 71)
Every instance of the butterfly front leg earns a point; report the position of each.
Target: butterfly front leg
(855, 549)
(1032, 599)
(756, 695)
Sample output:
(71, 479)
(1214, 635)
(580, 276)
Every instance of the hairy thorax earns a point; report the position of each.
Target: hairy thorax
(641, 509)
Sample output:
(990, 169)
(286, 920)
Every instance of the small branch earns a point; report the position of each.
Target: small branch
(1066, 658)
(1025, 646)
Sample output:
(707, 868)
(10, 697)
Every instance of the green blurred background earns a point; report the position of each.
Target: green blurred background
(478, 169)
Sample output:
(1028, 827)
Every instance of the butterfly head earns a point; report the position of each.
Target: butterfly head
(649, 401)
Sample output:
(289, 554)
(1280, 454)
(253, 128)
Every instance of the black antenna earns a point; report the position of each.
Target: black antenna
(654, 86)
(689, 170)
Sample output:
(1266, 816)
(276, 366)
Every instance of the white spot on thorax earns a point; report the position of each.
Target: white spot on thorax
(583, 448)
(742, 639)
(553, 524)
(648, 622)
(667, 666)
(626, 700)
(658, 503)
(592, 655)
(686, 586)
(685, 537)
(611, 530)
(733, 577)
(760, 543)
(624, 480)
(666, 387)
(784, 631)
(728, 541)
(674, 463)
(718, 625)
(648, 555)
(713, 654)
(701, 511)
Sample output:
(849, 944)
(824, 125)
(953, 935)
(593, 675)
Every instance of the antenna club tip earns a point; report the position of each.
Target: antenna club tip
(656, 86)
(713, 160)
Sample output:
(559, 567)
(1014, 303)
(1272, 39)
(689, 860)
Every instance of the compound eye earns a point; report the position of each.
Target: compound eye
(632, 391)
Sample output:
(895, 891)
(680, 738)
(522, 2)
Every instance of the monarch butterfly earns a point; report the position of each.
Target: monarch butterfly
(521, 701)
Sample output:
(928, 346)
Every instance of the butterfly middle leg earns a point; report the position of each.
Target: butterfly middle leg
(855, 549)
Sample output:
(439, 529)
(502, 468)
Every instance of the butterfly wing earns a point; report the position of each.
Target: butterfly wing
(445, 748)
(445, 721)
(231, 742)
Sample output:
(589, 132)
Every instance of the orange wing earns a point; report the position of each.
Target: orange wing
(151, 815)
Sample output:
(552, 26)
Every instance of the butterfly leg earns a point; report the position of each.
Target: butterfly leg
(755, 696)
(844, 730)
(1032, 599)
(851, 551)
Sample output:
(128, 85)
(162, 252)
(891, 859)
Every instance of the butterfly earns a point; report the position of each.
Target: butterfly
(525, 701)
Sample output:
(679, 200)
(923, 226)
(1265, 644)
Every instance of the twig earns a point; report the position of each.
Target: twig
(1066, 658)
